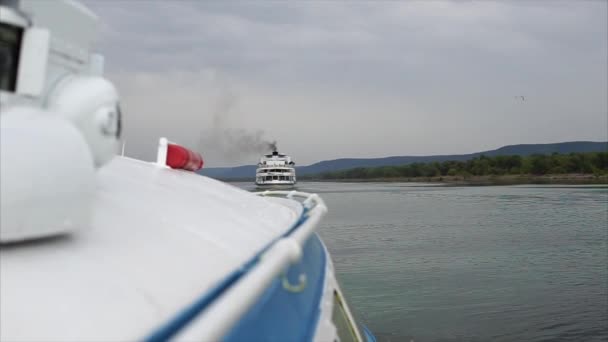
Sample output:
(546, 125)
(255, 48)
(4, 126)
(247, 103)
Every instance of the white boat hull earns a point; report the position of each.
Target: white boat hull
(276, 184)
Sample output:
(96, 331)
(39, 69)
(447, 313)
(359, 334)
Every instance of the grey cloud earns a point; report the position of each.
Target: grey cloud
(448, 69)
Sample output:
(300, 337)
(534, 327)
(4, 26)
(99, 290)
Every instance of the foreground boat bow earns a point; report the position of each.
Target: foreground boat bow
(99, 247)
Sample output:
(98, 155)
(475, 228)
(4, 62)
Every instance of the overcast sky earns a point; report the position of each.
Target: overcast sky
(338, 79)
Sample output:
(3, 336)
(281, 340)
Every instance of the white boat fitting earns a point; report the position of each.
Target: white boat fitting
(275, 170)
(100, 247)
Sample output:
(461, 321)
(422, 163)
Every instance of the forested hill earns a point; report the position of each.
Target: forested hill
(248, 171)
(537, 164)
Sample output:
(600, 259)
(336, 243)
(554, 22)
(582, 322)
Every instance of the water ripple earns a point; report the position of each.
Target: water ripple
(472, 264)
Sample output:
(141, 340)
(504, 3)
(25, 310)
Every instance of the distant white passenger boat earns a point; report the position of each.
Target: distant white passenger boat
(275, 170)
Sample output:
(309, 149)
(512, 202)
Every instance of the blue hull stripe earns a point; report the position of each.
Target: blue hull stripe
(369, 336)
(281, 315)
(183, 318)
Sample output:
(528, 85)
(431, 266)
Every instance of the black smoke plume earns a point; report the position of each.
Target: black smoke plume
(231, 142)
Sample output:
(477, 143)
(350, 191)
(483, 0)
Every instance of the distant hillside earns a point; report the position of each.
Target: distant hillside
(248, 171)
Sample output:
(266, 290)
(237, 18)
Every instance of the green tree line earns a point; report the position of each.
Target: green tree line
(537, 164)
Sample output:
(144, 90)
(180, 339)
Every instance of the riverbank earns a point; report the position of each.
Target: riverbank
(564, 179)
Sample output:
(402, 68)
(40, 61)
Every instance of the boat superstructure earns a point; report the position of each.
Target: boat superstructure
(275, 169)
(100, 247)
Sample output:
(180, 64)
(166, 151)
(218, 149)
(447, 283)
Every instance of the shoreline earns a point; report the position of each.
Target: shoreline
(558, 179)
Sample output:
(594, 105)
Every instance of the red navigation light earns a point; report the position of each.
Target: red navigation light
(179, 157)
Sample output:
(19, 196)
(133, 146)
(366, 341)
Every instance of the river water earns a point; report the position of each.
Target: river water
(427, 262)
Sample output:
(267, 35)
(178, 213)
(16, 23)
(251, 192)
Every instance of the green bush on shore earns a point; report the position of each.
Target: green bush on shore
(595, 163)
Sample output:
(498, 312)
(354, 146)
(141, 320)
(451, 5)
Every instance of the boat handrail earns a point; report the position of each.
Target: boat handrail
(216, 318)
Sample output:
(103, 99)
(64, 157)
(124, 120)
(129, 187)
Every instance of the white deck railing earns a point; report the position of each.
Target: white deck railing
(229, 307)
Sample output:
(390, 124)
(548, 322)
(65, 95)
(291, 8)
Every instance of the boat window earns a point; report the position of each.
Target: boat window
(268, 178)
(10, 44)
(344, 327)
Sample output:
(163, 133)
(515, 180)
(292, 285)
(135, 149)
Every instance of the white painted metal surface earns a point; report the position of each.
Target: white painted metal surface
(74, 28)
(73, 32)
(161, 152)
(91, 103)
(97, 63)
(47, 176)
(228, 309)
(158, 240)
(326, 330)
(11, 16)
(33, 60)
